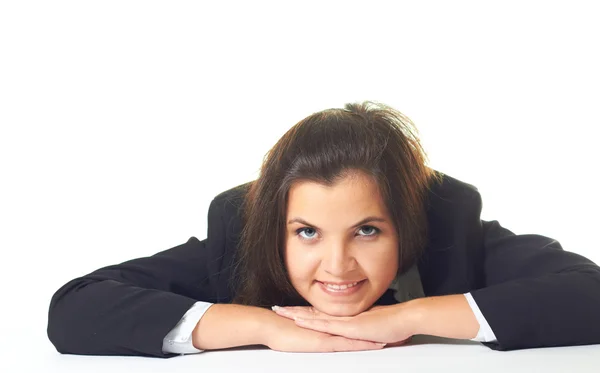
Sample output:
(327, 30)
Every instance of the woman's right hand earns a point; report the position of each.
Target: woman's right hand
(232, 325)
(283, 334)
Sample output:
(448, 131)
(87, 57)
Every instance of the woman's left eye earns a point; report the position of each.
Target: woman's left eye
(370, 230)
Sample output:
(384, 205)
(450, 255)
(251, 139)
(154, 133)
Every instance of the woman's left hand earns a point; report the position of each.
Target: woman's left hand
(385, 324)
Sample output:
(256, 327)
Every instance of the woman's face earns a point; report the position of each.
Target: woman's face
(337, 237)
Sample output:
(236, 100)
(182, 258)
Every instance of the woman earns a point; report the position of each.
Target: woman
(346, 241)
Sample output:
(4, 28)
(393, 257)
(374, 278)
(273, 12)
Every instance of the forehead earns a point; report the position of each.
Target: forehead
(355, 194)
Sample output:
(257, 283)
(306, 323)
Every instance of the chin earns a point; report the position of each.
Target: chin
(340, 309)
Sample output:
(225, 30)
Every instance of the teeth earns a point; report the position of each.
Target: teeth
(340, 287)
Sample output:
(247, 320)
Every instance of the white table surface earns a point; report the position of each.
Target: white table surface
(30, 351)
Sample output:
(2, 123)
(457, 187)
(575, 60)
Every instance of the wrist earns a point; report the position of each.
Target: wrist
(266, 326)
(229, 325)
(271, 326)
(448, 316)
(412, 313)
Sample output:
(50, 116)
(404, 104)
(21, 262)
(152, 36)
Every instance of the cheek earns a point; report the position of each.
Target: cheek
(299, 263)
(380, 267)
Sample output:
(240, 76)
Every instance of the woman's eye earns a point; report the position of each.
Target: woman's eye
(369, 230)
(309, 233)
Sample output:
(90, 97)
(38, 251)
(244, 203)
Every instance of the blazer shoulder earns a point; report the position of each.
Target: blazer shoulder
(452, 193)
(234, 195)
(225, 224)
(451, 261)
(448, 183)
(226, 207)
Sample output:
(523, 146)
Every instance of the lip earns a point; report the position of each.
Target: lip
(340, 292)
(339, 283)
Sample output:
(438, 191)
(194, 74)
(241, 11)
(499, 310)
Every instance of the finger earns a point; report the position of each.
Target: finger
(342, 328)
(291, 312)
(339, 344)
(284, 314)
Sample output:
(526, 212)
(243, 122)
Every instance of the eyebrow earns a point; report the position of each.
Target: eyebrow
(362, 222)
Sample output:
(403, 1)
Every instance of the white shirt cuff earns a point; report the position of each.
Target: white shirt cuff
(485, 333)
(179, 339)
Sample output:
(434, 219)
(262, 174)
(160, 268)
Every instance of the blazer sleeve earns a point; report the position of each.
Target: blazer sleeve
(128, 309)
(536, 294)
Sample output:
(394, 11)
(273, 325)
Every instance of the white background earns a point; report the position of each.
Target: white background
(120, 120)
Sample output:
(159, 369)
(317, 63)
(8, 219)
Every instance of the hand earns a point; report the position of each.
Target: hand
(284, 335)
(388, 324)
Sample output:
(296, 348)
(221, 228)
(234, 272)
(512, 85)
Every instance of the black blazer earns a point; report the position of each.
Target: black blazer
(531, 291)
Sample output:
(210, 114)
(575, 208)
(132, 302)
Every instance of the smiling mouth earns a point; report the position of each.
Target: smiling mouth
(340, 287)
(344, 289)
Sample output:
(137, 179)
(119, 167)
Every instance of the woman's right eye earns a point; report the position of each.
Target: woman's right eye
(306, 233)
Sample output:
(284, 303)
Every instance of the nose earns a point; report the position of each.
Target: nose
(337, 260)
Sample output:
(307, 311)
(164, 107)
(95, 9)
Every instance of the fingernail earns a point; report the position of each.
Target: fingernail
(275, 308)
(382, 344)
(296, 318)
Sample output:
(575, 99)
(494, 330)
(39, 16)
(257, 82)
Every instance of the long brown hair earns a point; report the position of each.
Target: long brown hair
(369, 137)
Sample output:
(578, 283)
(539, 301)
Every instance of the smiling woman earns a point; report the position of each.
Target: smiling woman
(342, 267)
(334, 166)
(354, 243)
